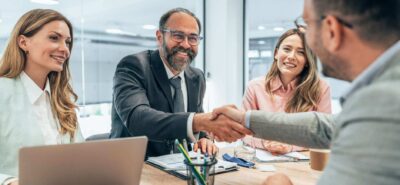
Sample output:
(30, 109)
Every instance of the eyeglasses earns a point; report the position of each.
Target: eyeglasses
(179, 36)
(301, 24)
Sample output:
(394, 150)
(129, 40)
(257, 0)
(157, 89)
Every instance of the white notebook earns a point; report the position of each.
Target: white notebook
(173, 164)
(265, 156)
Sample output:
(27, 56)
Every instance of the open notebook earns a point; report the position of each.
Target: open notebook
(173, 164)
(264, 156)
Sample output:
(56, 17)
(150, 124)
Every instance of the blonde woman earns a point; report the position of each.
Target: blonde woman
(37, 101)
(291, 85)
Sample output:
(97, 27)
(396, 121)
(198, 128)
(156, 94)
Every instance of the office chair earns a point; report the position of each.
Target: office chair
(98, 137)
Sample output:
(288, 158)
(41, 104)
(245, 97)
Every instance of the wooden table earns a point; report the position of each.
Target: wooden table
(299, 172)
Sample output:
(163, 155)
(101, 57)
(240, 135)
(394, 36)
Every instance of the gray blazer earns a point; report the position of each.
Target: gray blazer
(364, 138)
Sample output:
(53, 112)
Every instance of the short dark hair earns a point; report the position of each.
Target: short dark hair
(377, 21)
(164, 18)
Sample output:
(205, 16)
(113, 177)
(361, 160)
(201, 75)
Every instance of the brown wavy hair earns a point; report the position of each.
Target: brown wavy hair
(13, 62)
(307, 93)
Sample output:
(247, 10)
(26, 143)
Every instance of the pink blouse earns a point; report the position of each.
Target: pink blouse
(257, 98)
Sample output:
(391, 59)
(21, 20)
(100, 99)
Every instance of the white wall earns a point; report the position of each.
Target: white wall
(224, 52)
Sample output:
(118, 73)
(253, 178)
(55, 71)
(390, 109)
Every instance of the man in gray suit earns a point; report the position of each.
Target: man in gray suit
(357, 41)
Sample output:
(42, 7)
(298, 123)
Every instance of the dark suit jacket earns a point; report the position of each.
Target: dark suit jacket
(143, 104)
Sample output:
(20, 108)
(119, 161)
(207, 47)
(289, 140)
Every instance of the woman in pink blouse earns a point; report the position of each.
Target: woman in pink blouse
(291, 85)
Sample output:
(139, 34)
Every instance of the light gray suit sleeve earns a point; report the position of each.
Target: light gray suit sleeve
(308, 129)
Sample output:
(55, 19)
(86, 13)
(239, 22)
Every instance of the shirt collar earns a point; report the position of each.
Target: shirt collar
(33, 90)
(367, 76)
(276, 84)
(171, 75)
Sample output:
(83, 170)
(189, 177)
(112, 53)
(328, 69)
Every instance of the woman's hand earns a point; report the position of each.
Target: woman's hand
(277, 148)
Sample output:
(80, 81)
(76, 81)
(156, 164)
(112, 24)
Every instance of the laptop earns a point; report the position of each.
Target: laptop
(103, 162)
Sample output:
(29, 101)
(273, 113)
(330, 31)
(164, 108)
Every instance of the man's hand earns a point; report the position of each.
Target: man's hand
(221, 127)
(230, 111)
(277, 148)
(206, 146)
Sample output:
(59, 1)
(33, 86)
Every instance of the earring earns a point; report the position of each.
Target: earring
(26, 52)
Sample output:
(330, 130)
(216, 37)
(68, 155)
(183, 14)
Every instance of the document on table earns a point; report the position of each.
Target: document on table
(265, 156)
(173, 164)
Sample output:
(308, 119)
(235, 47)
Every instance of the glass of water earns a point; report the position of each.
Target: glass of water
(245, 150)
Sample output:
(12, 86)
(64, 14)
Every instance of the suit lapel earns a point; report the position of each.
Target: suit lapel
(161, 77)
(192, 85)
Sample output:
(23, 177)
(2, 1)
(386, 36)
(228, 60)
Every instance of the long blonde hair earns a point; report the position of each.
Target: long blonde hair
(307, 93)
(14, 59)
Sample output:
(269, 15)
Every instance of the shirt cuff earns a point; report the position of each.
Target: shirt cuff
(247, 119)
(193, 137)
(9, 180)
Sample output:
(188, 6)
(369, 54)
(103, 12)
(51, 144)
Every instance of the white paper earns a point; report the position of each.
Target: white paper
(265, 156)
(266, 168)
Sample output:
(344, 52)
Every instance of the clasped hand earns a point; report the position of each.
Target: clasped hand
(229, 124)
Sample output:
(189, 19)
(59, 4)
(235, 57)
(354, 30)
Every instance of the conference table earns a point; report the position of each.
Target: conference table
(299, 172)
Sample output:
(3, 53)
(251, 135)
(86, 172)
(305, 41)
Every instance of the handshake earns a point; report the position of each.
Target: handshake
(226, 123)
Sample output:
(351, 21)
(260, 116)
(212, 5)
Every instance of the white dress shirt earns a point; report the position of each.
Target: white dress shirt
(191, 136)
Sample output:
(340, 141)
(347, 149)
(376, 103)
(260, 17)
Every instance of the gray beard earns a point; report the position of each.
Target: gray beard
(177, 64)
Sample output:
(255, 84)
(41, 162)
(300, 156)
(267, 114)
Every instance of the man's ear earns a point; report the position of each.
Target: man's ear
(23, 42)
(332, 33)
(159, 37)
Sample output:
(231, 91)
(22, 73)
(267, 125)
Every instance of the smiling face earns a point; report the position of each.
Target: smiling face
(290, 56)
(178, 55)
(48, 49)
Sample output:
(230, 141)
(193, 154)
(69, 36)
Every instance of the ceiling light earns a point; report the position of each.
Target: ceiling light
(278, 29)
(114, 31)
(48, 2)
(149, 27)
(261, 27)
(117, 31)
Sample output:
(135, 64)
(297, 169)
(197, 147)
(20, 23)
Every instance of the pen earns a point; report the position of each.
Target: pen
(205, 166)
(185, 145)
(196, 173)
(198, 156)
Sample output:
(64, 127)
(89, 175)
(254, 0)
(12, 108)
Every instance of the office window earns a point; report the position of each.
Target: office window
(104, 32)
(265, 21)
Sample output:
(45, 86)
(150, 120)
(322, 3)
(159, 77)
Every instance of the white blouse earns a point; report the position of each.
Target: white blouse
(40, 100)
